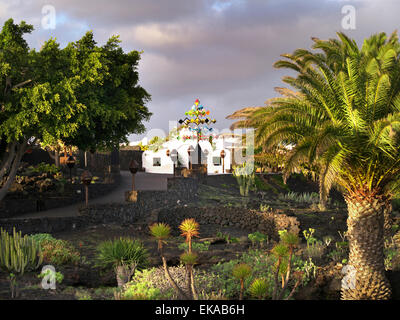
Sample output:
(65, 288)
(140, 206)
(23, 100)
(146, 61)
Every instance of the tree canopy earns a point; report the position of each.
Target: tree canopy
(84, 95)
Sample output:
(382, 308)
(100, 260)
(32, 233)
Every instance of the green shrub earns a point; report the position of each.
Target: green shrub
(58, 276)
(141, 291)
(257, 237)
(196, 246)
(44, 168)
(125, 255)
(122, 251)
(301, 198)
(40, 237)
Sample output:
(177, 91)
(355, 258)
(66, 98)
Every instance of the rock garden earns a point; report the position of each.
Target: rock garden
(271, 244)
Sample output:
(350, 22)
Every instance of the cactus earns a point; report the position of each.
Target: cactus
(245, 176)
(19, 253)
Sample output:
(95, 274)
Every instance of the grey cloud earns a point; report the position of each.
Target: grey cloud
(192, 51)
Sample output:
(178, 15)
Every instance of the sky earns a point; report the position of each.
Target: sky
(219, 51)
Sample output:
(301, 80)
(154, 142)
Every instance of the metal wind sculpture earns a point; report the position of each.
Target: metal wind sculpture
(197, 120)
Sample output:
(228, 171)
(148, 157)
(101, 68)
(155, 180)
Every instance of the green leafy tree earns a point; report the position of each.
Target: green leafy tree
(345, 116)
(83, 95)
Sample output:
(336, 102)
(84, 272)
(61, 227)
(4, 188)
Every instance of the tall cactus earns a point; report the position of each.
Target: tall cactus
(19, 253)
(244, 175)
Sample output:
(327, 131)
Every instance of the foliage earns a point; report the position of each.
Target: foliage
(196, 246)
(189, 258)
(245, 176)
(241, 271)
(302, 198)
(189, 228)
(259, 288)
(122, 251)
(160, 231)
(59, 252)
(19, 253)
(44, 168)
(58, 276)
(258, 237)
(83, 95)
(263, 265)
(152, 283)
(40, 237)
(141, 291)
(227, 237)
(308, 235)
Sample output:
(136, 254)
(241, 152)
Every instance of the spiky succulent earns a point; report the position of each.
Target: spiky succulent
(280, 250)
(161, 232)
(290, 239)
(241, 271)
(189, 228)
(259, 288)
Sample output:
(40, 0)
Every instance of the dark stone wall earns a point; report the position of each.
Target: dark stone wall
(181, 192)
(245, 219)
(12, 204)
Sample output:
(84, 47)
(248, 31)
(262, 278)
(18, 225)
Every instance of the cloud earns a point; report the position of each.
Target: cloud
(220, 51)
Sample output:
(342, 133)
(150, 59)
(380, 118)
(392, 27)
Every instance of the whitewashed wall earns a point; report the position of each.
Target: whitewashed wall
(182, 147)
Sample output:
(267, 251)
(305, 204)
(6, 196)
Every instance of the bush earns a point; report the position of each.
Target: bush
(44, 168)
(40, 237)
(196, 246)
(122, 251)
(141, 291)
(59, 252)
(125, 255)
(145, 282)
(302, 198)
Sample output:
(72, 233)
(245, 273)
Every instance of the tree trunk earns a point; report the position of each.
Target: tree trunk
(21, 148)
(323, 196)
(387, 218)
(169, 277)
(123, 275)
(7, 159)
(365, 274)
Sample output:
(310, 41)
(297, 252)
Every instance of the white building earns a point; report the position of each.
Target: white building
(157, 161)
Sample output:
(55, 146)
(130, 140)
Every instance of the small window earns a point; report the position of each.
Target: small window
(217, 161)
(156, 162)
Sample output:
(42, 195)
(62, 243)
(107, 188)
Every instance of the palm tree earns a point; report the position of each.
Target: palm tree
(344, 114)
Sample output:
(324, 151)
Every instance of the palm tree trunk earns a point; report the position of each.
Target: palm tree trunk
(367, 280)
(387, 217)
(323, 196)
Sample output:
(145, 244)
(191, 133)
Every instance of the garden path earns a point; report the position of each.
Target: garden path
(143, 181)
